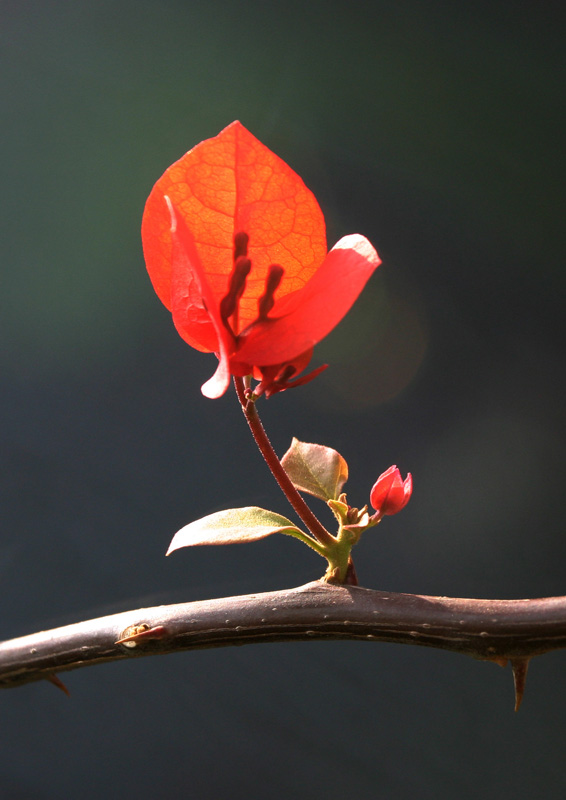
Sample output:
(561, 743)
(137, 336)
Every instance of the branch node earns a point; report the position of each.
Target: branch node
(136, 633)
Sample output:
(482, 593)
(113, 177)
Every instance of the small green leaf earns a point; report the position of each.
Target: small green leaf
(231, 527)
(313, 468)
(340, 510)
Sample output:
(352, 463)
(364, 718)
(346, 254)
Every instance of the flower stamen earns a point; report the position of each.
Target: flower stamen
(267, 300)
(230, 302)
(241, 240)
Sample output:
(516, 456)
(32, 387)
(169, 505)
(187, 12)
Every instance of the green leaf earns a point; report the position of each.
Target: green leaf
(232, 527)
(313, 468)
(340, 510)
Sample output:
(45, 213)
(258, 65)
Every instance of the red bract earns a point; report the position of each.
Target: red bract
(390, 492)
(235, 247)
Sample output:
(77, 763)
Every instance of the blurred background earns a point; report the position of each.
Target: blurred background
(437, 130)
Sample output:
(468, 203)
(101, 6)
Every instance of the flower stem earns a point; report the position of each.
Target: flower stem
(266, 449)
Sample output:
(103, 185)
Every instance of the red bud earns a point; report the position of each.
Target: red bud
(390, 492)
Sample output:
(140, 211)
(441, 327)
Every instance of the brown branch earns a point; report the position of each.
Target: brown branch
(486, 629)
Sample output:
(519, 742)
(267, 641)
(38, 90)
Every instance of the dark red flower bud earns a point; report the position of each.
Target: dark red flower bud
(390, 492)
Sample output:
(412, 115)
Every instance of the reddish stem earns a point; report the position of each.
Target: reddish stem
(266, 449)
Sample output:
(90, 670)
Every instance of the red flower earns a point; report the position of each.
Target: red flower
(390, 493)
(261, 308)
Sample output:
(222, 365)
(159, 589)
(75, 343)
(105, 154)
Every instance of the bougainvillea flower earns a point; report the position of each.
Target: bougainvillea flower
(235, 246)
(390, 493)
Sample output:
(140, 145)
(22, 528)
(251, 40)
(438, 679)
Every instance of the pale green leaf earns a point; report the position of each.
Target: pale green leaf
(232, 526)
(315, 469)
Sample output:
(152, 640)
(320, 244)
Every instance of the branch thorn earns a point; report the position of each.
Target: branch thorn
(56, 681)
(519, 667)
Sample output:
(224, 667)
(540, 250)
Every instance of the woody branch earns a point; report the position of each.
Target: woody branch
(494, 630)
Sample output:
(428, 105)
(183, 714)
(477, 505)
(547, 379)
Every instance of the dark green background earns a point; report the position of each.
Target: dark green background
(437, 130)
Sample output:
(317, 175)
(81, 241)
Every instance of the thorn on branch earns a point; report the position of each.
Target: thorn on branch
(519, 667)
(56, 681)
